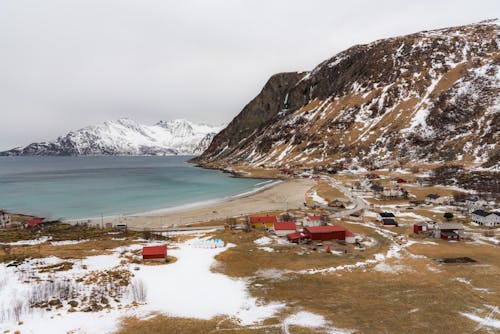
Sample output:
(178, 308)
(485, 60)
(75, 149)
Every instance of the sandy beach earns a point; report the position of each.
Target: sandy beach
(289, 194)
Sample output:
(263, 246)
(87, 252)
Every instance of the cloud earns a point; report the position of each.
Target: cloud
(67, 64)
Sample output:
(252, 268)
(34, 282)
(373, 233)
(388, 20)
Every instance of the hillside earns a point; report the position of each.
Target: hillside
(127, 137)
(432, 96)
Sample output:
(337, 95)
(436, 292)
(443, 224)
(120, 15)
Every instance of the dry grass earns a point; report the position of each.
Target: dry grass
(246, 259)
(76, 251)
(164, 324)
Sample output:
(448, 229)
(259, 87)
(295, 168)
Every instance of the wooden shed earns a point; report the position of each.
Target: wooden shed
(154, 253)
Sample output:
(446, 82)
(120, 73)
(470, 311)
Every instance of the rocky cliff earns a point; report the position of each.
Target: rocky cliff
(432, 96)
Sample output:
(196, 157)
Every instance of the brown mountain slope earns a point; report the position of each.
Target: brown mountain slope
(431, 96)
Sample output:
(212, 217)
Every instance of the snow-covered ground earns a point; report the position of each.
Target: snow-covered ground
(185, 288)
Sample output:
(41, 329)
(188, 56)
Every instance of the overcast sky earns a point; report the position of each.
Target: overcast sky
(67, 64)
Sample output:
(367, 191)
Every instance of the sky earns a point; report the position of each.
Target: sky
(66, 64)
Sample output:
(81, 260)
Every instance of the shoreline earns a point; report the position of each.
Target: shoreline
(275, 196)
(179, 208)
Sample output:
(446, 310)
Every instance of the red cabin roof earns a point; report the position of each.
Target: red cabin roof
(295, 236)
(349, 233)
(264, 219)
(34, 222)
(324, 229)
(154, 251)
(400, 181)
(284, 226)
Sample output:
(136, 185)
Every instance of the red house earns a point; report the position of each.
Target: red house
(287, 171)
(263, 221)
(325, 232)
(34, 223)
(400, 180)
(283, 228)
(296, 237)
(154, 252)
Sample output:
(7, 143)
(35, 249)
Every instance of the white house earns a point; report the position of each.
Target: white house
(4, 219)
(486, 218)
(312, 221)
(474, 203)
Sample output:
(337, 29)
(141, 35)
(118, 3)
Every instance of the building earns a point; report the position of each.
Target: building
(475, 203)
(282, 229)
(486, 218)
(296, 237)
(436, 199)
(35, 222)
(398, 181)
(392, 192)
(312, 221)
(449, 231)
(389, 222)
(287, 171)
(263, 221)
(386, 215)
(4, 219)
(325, 233)
(155, 253)
(420, 227)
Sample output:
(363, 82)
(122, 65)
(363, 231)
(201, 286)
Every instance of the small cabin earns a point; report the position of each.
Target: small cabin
(296, 237)
(154, 253)
(34, 223)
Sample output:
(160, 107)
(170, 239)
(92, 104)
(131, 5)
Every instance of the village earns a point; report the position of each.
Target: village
(352, 229)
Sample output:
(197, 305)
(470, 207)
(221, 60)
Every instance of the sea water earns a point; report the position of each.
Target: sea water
(87, 187)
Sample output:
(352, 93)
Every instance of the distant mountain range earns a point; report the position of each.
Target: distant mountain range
(126, 137)
(432, 96)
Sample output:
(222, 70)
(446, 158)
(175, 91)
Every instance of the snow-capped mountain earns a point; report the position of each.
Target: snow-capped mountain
(432, 96)
(127, 137)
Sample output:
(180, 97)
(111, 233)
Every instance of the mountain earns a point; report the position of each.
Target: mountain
(432, 96)
(127, 137)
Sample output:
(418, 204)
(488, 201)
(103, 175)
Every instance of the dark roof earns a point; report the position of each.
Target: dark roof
(481, 213)
(387, 215)
(389, 221)
(433, 196)
(449, 233)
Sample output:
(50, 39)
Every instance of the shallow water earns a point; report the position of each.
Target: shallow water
(81, 187)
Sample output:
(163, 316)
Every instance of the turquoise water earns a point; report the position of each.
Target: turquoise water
(83, 187)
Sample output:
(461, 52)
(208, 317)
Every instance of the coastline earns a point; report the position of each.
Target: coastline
(178, 208)
(277, 195)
